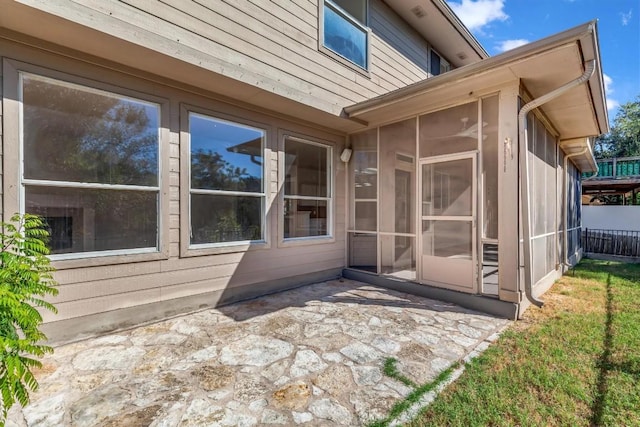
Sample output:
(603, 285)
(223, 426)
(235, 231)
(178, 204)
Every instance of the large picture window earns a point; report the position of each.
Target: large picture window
(344, 30)
(90, 166)
(307, 189)
(227, 199)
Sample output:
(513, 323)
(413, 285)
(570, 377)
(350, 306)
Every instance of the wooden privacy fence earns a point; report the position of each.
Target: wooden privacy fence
(611, 242)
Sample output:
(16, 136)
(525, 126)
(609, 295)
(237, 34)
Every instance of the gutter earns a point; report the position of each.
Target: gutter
(523, 144)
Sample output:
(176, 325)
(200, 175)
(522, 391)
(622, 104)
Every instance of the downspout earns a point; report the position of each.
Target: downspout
(524, 171)
(565, 193)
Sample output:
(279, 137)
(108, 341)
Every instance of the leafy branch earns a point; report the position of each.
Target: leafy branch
(26, 277)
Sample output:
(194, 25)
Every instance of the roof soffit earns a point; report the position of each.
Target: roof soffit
(437, 23)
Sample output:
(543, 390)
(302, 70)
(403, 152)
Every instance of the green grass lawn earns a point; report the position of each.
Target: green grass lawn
(574, 362)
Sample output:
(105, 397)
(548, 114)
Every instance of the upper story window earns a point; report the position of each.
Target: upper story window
(344, 30)
(227, 198)
(307, 188)
(90, 167)
(438, 64)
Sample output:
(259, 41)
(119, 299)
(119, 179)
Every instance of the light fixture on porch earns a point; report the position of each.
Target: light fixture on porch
(345, 156)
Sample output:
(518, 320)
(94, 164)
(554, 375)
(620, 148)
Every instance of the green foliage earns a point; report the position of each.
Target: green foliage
(624, 138)
(25, 278)
(391, 371)
(415, 395)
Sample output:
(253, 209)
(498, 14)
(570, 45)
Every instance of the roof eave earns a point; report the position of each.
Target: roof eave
(585, 160)
(591, 50)
(579, 33)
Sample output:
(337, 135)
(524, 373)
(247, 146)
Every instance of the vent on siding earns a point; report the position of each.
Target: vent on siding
(404, 158)
(418, 11)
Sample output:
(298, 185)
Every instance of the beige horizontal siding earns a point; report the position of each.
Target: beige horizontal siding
(243, 33)
(400, 37)
(98, 304)
(263, 266)
(272, 45)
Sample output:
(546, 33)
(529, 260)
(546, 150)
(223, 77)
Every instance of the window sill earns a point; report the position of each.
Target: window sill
(213, 249)
(97, 259)
(306, 241)
(342, 60)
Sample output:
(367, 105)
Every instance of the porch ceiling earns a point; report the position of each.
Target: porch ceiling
(540, 67)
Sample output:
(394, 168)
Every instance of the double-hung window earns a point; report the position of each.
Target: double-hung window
(307, 189)
(227, 198)
(344, 30)
(90, 167)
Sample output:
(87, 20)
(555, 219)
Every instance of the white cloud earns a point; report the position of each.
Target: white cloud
(612, 104)
(475, 14)
(626, 17)
(511, 44)
(608, 82)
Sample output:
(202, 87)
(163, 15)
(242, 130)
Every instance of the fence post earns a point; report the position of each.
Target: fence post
(586, 239)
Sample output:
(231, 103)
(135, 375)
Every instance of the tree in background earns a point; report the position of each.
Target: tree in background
(622, 141)
(624, 138)
(223, 218)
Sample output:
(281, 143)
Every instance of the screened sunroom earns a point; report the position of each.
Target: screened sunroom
(440, 191)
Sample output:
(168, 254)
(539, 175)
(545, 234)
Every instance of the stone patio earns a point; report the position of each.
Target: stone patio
(309, 356)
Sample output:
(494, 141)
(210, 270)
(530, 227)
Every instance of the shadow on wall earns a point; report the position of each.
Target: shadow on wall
(306, 204)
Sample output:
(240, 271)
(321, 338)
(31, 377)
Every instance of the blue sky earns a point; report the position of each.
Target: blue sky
(501, 25)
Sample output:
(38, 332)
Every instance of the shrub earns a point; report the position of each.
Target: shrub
(25, 277)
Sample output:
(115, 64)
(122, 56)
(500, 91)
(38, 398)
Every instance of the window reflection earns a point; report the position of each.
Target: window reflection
(225, 156)
(306, 189)
(344, 36)
(72, 133)
(88, 220)
(78, 143)
(227, 198)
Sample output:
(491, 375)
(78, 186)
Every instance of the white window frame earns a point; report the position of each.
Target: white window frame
(201, 249)
(289, 241)
(445, 66)
(15, 72)
(362, 26)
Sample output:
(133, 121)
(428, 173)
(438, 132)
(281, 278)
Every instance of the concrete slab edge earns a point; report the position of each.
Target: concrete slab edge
(489, 305)
(607, 257)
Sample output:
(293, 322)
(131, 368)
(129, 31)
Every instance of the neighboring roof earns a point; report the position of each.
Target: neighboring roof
(610, 186)
(540, 66)
(438, 24)
(615, 176)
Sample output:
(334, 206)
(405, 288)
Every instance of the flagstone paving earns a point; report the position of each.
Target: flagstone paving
(308, 356)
